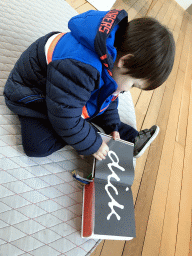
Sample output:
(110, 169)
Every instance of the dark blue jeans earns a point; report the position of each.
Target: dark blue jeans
(39, 138)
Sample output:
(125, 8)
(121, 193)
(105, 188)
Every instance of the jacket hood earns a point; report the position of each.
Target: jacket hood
(96, 31)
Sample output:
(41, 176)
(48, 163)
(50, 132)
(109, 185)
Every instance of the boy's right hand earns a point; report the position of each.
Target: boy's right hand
(102, 152)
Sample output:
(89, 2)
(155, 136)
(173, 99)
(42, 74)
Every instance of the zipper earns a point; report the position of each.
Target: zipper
(31, 98)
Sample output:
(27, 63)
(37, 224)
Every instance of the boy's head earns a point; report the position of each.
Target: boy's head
(145, 53)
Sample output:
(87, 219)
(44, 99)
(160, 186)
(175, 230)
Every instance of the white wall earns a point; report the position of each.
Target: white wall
(184, 3)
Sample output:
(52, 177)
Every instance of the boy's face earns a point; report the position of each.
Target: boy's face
(125, 82)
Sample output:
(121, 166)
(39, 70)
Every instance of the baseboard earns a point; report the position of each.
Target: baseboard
(189, 9)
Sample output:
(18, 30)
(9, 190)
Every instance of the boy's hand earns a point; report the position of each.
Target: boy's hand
(115, 135)
(102, 152)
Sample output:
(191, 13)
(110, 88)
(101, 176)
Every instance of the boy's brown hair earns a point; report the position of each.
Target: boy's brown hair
(153, 47)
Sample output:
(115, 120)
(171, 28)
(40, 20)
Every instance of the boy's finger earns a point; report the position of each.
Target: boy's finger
(98, 158)
(115, 135)
(106, 153)
(102, 156)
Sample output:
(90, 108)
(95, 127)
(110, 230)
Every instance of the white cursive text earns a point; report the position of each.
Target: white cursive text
(115, 163)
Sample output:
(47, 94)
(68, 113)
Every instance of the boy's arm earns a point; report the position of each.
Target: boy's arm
(109, 120)
(69, 86)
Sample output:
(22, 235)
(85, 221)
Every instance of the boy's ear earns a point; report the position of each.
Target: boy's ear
(123, 59)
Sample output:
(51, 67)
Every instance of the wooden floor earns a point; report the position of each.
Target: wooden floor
(162, 187)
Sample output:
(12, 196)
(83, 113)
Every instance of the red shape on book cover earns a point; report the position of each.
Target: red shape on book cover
(88, 215)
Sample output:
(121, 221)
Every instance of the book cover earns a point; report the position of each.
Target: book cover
(110, 195)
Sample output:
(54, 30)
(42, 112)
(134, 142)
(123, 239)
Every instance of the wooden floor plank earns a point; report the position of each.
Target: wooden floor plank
(181, 13)
(156, 8)
(155, 223)
(183, 118)
(113, 248)
(183, 235)
(169, 232)
(130, 3)
(180, 244)
(135, 93)
(121, 4)
(163, 10)
(185, 51)
(140, 4)
(85, 7)
(76, 3)
(174, 18)
(141, 107)
(98, 250)
(178, 22)
(190, 245)
(176, 33)
(166, 20)
(132, 13)
(152, 3)
(139, 9)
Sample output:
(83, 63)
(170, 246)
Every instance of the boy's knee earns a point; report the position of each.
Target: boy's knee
(36, 152)
(42, 149)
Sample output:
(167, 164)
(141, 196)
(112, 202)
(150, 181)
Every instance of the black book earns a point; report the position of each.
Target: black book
(108, 209)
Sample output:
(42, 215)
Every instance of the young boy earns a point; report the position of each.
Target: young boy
(65, 81)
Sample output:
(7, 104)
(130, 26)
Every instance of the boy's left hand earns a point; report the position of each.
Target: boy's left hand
(115, 135)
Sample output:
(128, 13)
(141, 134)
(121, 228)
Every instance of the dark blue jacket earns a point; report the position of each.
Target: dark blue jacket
(72, 82)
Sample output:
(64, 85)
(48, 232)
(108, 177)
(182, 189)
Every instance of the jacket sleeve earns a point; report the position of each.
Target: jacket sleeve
(109, 120)
(68, 88)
